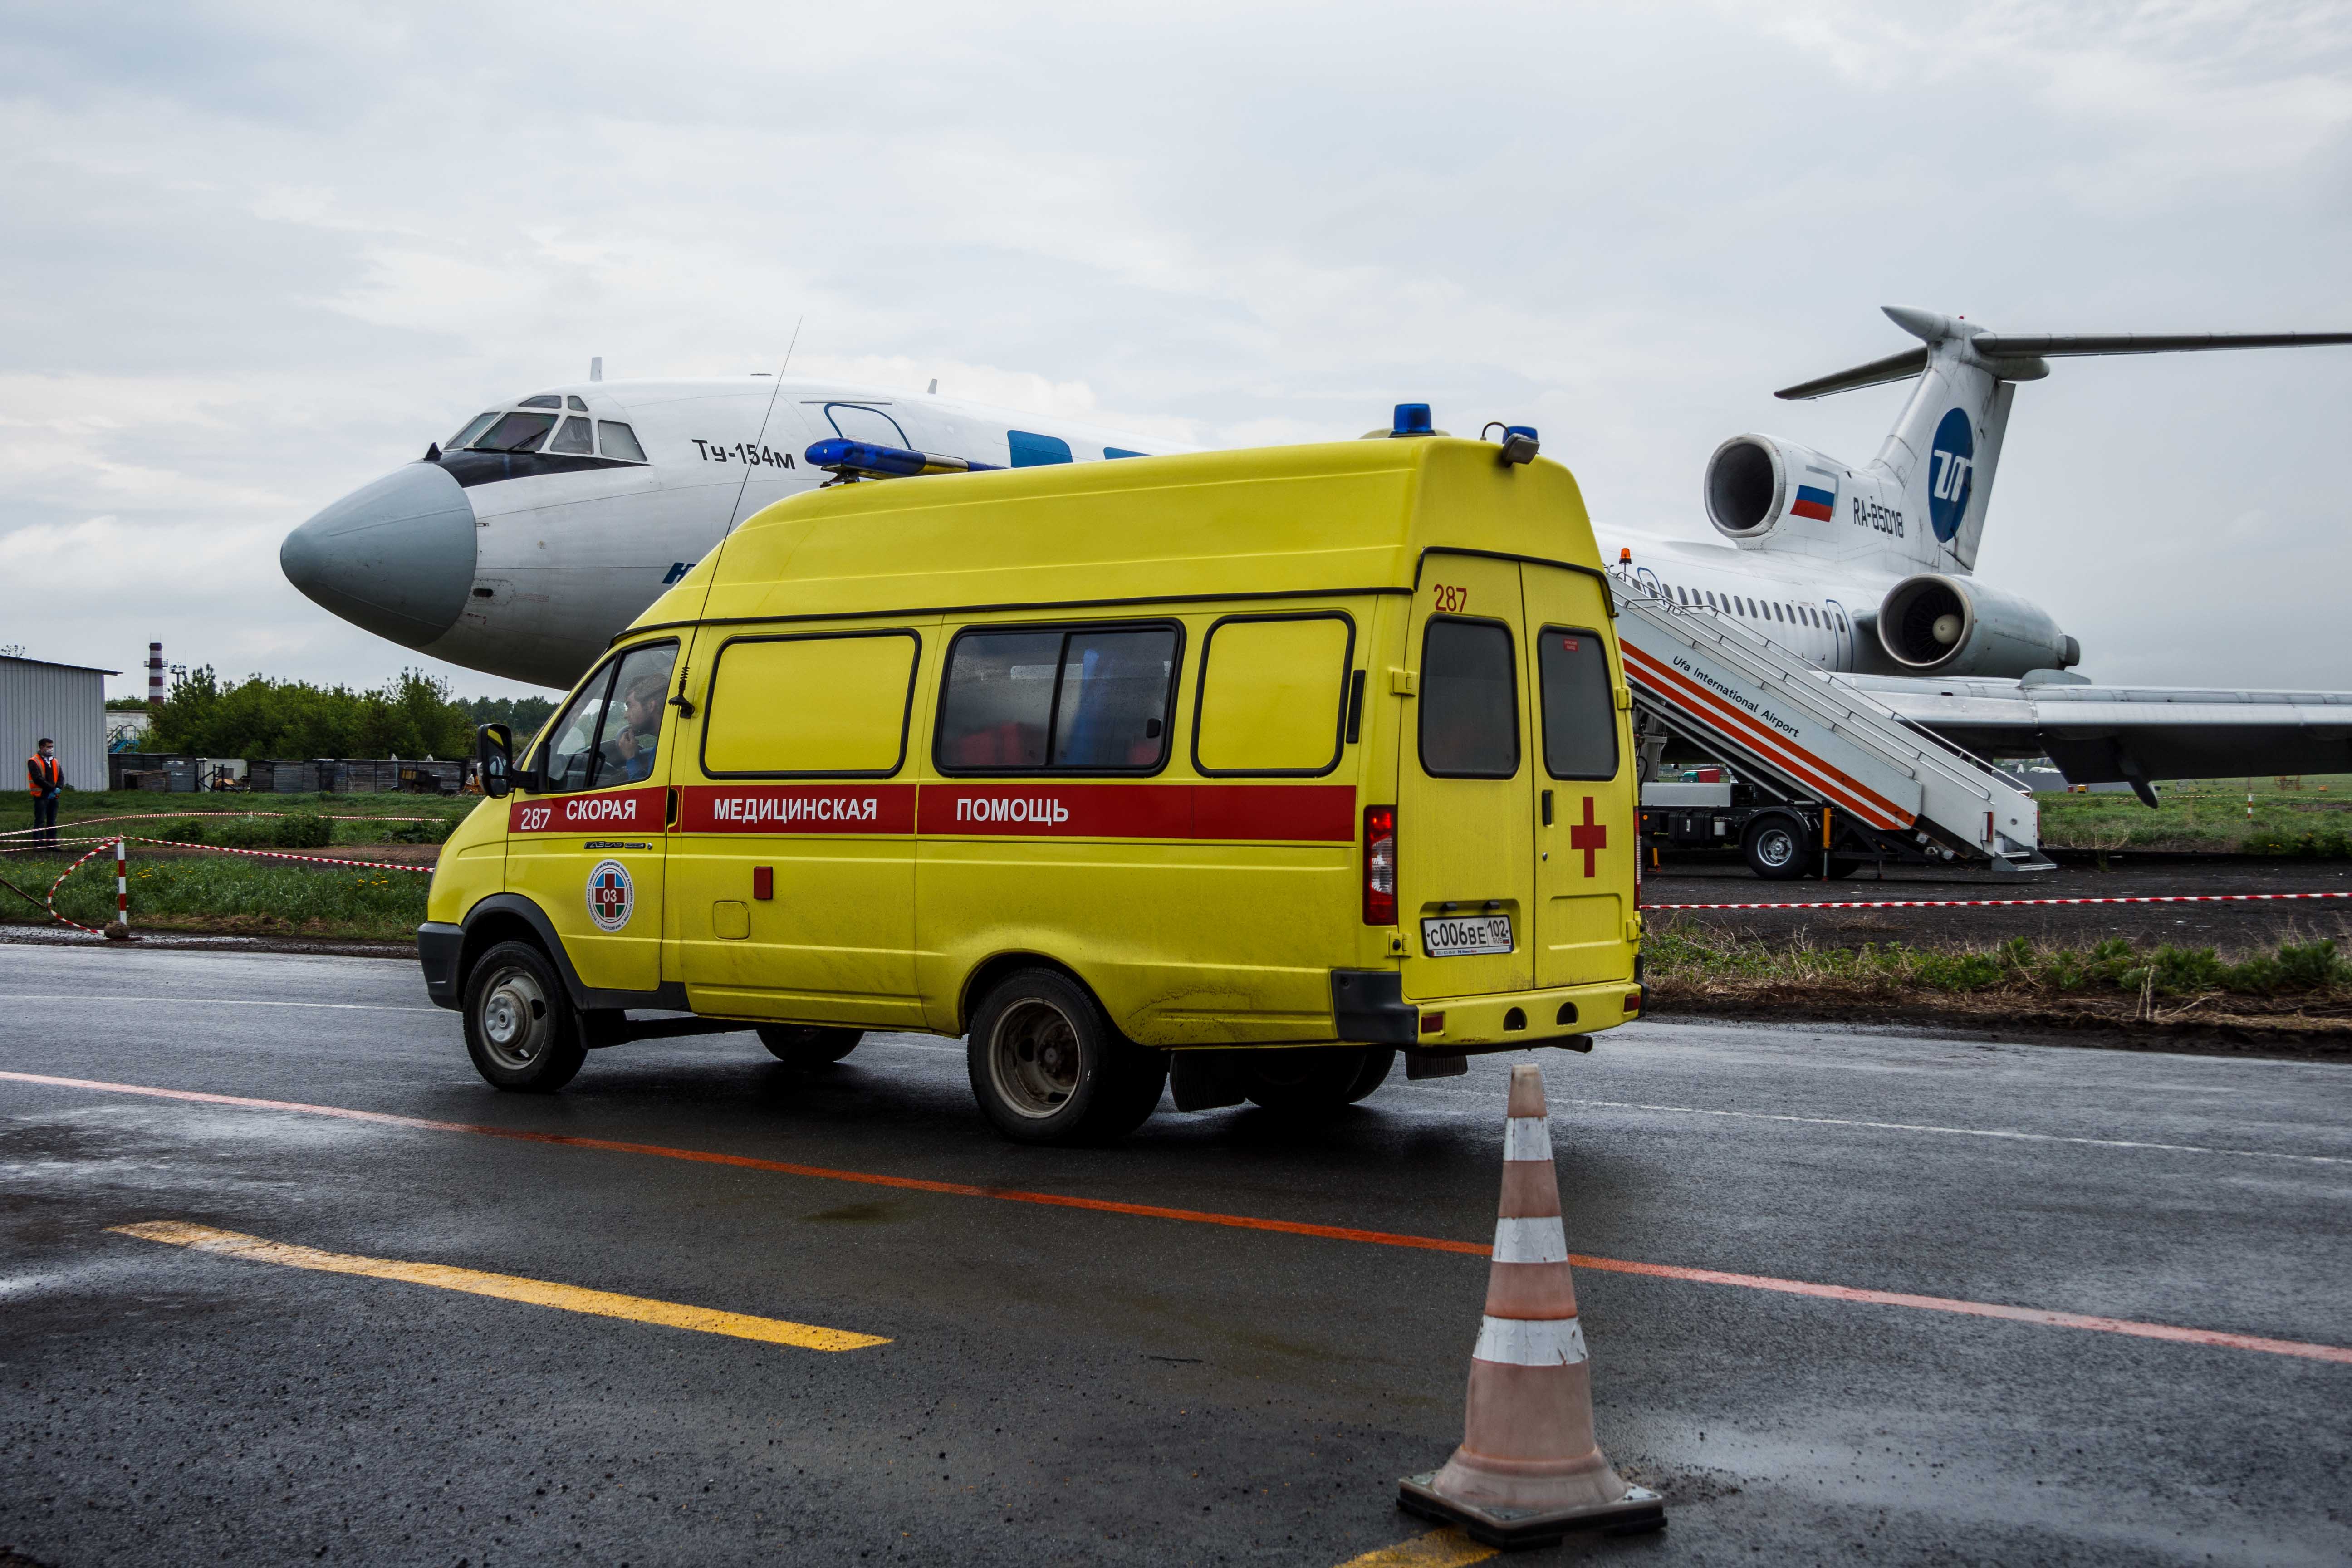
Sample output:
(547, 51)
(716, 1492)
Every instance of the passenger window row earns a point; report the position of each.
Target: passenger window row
(1758, 609)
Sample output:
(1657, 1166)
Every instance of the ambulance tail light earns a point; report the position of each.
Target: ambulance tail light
(1380, 866)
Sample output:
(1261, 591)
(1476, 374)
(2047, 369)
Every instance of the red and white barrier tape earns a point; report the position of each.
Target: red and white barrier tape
(281, 855)
(103, 845)
(184, 816)
(2015, 903)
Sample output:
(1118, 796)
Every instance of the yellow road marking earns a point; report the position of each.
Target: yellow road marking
(1447, 1548)
(505, 1287)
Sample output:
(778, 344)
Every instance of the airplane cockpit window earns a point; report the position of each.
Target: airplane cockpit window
(573, 403)
(617, 440)
(514, 433)
(474, 426)
(856, 422)
(573, 440)
(544, 400)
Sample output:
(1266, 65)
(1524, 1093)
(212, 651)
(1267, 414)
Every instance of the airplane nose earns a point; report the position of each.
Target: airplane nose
(395, 556)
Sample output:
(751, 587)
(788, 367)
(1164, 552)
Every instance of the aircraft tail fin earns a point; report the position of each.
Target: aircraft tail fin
(1946, 444)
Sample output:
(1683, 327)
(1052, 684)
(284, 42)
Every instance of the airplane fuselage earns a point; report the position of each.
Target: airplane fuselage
(523, 559)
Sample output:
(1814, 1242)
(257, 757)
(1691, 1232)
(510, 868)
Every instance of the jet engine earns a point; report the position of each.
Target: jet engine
(1753, 482)
(1933, 624)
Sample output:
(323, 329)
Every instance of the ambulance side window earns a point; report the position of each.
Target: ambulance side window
(1469, 701)
(1089, 699)
(611, 734)
(571, 754)
(1580, 705)
(1273, 694)
(997, 707)
(829, 706)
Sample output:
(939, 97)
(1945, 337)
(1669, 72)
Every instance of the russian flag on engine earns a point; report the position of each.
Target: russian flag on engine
(1816, 494)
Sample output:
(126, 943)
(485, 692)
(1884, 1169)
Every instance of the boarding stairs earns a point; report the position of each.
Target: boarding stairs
(1817, 745)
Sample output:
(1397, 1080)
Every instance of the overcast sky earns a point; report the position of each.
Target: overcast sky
(256, 254)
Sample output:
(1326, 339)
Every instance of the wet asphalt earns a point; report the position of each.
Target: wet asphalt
(1073, 1386)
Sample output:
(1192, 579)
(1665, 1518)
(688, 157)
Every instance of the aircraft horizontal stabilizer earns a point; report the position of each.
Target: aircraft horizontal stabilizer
(2018, 345)
(1894, 367)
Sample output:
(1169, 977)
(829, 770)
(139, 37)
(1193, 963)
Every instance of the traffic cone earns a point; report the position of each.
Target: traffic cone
(1529, 1470)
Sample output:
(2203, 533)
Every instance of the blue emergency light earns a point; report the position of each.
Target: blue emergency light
(1413, 419)
(870, 460)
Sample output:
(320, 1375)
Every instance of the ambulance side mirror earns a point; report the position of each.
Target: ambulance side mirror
(494, 759)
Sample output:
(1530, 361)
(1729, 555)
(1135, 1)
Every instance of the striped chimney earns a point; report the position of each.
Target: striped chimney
(154, 675)
(1529, 1468)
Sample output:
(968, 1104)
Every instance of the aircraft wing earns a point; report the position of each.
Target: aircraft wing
(2130, 734)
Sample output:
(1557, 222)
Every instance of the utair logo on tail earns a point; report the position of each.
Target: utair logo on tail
(1952, 461)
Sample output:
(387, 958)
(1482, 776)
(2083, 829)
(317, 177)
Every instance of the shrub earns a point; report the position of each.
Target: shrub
(188, 831)
(431, 831)
(2310, 965)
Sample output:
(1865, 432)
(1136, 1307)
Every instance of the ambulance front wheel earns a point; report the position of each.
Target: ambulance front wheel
(520, 1029)
(1047, 1066)
(1776, 849)
(803, 1046)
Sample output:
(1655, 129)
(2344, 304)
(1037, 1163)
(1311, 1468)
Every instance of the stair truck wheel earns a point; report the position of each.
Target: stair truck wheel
(1047, 1066)
(1303, 1079)
(520, 1028)
(802, 1045)
(1775, 848)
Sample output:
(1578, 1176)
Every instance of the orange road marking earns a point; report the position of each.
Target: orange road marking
(2045, 1317)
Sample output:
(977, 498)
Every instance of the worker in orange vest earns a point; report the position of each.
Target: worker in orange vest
(45, 779)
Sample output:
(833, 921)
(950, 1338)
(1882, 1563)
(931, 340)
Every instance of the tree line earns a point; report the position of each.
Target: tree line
(414, 716)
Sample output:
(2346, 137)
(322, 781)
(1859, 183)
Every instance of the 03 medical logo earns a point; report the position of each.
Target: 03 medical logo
(612, 897)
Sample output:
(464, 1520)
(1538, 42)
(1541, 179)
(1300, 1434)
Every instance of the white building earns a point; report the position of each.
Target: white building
(67, 703)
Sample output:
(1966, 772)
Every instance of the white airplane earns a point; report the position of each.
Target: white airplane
(545, 525)
(1868, 571)
(521, 544)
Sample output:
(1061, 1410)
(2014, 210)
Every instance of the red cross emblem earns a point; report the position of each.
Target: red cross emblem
(1588, 835)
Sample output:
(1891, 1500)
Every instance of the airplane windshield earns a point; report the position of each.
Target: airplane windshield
(515, 432)
(474, 426)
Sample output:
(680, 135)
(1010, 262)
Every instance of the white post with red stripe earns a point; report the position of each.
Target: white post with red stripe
(122, 883)
(1764, 708)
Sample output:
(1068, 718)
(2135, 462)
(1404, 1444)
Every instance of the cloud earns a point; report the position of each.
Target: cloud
(261, 253)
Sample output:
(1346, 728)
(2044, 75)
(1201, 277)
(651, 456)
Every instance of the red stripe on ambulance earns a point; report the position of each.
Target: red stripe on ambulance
(832, 808)
(606, 811)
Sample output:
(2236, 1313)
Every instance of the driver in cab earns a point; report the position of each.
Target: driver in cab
(629, 754)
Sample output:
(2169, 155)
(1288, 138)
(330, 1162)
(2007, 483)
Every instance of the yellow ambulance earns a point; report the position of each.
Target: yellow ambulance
(1250, 769)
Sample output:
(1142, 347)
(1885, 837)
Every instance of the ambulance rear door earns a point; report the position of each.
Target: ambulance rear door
(1585, 840)
(1467, 769)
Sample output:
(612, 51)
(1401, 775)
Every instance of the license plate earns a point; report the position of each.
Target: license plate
(1451, 938)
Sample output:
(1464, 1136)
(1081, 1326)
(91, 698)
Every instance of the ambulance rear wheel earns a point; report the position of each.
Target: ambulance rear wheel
(1379, 1062)
(802, 1045)
(520, 1029)
(1047, 1066)
(1309, 1078)
(1775, 850)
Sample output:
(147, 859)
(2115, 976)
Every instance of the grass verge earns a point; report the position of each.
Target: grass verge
(2298, 989)
(2310, 820)
(225, 894)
